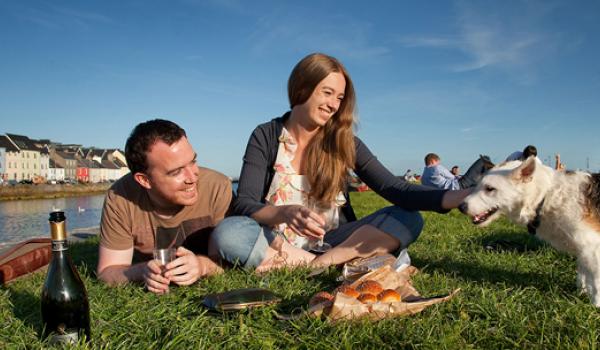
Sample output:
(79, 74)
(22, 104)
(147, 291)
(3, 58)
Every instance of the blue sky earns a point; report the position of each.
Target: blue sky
(458, 78)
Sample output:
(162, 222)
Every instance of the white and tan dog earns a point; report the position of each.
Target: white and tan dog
(562, 208)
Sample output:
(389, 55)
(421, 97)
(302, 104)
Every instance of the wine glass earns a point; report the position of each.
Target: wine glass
(164, 256)
(329, 216)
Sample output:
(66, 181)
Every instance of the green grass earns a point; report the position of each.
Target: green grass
(508, 299)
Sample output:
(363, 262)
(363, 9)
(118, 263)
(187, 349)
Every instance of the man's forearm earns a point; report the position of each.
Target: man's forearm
(122, 274)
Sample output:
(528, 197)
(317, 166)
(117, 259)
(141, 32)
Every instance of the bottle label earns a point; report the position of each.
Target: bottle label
(58, 246)
(66, 338)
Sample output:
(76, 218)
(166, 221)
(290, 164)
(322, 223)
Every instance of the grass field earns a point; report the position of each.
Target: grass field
(522, 295)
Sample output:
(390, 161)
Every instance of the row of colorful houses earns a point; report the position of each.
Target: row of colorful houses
(22, 158)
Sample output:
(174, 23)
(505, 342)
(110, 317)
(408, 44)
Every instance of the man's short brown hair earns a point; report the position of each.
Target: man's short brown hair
(430, 158)
(146, 134)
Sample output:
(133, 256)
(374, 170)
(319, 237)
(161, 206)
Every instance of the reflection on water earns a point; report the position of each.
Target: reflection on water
(23, 219)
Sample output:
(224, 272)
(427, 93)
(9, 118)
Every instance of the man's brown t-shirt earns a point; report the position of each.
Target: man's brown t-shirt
(128, 217)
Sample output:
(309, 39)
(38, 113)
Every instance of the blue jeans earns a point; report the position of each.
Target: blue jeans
(241, 240)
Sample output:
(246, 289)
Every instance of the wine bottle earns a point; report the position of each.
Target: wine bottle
(65, 307)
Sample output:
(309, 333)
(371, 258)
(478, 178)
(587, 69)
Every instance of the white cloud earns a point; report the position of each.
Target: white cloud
(508, 37)
(60, 17)
(85, 16)
(350, 40)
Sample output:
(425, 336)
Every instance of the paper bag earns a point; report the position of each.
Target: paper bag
(345, 307)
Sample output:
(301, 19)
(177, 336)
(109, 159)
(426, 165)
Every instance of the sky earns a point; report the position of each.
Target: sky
(457, 78)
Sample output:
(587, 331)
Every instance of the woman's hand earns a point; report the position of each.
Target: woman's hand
(302, 220)
(452, 199)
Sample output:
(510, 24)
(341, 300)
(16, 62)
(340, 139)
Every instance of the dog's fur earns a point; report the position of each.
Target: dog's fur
(567, 205)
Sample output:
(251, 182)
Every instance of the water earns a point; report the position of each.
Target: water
(24, 219)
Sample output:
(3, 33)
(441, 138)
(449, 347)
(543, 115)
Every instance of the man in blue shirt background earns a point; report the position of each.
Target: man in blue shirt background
(437, 175)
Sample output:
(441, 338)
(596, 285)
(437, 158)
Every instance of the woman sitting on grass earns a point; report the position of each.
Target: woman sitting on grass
(299, 162)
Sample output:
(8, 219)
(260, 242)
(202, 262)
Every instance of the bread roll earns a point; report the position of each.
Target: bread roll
(367, 298)
(369, 286)
(320, 297)
(349, 291)
(389, 296)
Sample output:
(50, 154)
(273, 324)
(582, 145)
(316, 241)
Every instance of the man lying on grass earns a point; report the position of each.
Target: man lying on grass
(166, 201)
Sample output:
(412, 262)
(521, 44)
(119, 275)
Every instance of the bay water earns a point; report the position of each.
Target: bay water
(24, 219)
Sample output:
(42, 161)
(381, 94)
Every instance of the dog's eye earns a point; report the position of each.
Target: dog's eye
(489, 188)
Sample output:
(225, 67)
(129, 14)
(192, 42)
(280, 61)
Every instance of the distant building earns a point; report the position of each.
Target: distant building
(68, 162)
(44, 161)
(11, 157)
(123, 169)
(96, 171)
(112, 170)
(83, 171)
(2, 163)
(55, 171)
(29, 157)
(22, 158)
(95, 154)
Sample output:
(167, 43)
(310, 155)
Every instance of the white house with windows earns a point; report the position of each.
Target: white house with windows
(44, 162)
(55, 172)
(11, 158)
(2, 162)
(28, 163)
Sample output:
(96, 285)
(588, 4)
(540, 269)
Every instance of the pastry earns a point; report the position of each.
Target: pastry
(367, 298)
(370, 286)
(349, 291)
(389, 296)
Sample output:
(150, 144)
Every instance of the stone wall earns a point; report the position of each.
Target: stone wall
(8, 192)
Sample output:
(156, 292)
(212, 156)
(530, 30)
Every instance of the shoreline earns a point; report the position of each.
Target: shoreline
(73, 236)
(23, 192)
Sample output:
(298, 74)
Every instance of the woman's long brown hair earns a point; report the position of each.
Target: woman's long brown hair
(331, 152)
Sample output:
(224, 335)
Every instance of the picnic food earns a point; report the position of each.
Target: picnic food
(370, 286)
(349, 291)
(389, 296)
(400, 298)
(367, 298)
(320, 297)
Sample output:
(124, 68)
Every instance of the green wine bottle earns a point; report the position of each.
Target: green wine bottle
(65, 307)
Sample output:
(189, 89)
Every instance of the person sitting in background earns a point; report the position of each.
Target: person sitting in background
(437, 175)
(166, 201)
(409, 175)
(455, 171)
(528, 151)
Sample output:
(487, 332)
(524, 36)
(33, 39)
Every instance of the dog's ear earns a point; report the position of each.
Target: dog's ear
(524, 172)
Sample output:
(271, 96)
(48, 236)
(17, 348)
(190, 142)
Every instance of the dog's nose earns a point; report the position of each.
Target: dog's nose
(463, 207)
